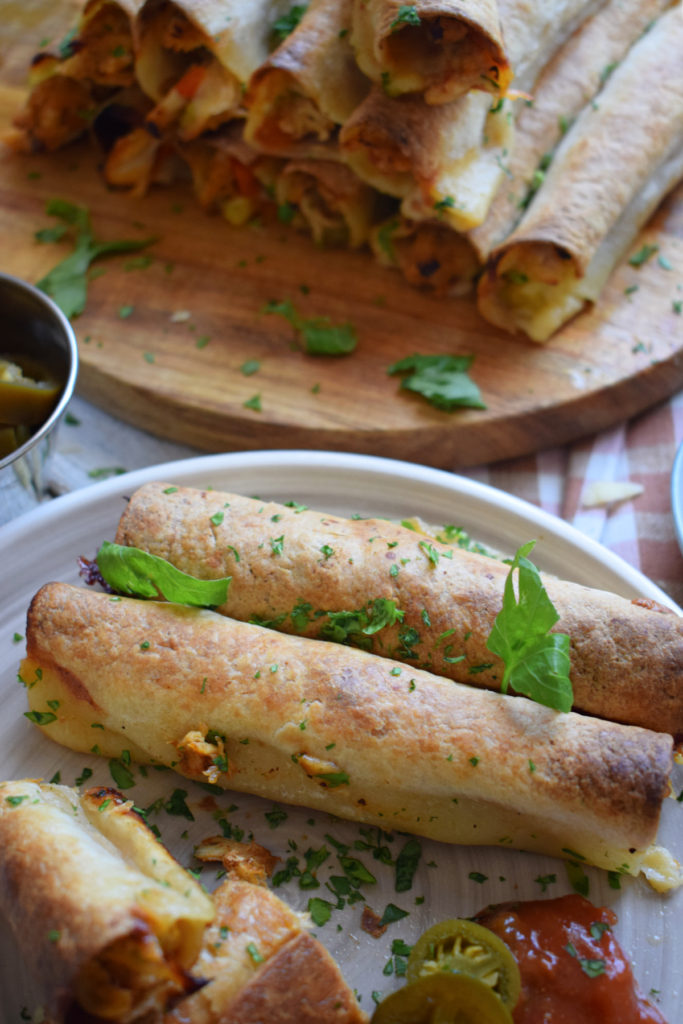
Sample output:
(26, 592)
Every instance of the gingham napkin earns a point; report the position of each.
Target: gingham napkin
(567, 481)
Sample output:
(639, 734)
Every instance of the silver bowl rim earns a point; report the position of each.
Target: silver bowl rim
(69, 384)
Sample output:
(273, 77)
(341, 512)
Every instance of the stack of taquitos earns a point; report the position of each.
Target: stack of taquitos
(336, 728)
(615, 164)
(416, 96)
(112, 928)
(627, 659)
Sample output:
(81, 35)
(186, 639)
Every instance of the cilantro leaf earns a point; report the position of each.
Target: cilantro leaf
(407, 15)
(442, 380)
(67, 282)
(286, 24)
(352, 627)
(129, 570)
(406, 865)
(320, 910)
(536, 661)
(643, 255)
(319, 335)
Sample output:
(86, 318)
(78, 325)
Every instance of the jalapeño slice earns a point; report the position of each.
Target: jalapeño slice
(442, 999)
(464, 947)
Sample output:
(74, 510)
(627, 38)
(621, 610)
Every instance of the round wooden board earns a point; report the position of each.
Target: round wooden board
(154, 372)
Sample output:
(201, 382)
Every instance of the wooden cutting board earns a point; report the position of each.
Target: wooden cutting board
(173, 365)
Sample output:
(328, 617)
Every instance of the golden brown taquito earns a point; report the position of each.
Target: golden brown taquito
(106, 921)
(341, 730)
(428, 254)
(626, 656)
(192, 61)
(292, 979)
(330, 201)
(67, 89)
(230, 176)
(452, 159)
(439, 48)
(563, 89)
(300, 95)
(195, 57)
(112, 928)
(621, 156)
(442, 161)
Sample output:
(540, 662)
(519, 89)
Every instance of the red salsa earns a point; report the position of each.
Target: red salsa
(572, 967)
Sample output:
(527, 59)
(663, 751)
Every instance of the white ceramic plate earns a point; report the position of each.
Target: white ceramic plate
(44, 545)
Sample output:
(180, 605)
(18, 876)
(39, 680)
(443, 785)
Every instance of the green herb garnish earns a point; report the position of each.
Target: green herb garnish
(320, 911)
(40, 717)
(643, 255)
(536, 660)
(288, 22)
(132, 571)
(407, 15)
(392, 913)
(406, 865)
(67, 282)
(442, 380)
(319, 335)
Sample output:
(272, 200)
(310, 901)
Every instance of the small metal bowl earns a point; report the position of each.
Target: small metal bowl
(35, 327)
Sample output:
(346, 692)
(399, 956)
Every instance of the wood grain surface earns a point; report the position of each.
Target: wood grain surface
(162, 374)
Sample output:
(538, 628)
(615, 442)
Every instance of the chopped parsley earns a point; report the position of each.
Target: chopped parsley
(476, 876)
(253, 952)
(320, 337)
(320, 910)
(120, 773)
(406, 865)
(578, 879)
(441, 379)
(286, 24)
(392, 913)
(407, 15)
(643, 255)
(15, 801)
(40, 717)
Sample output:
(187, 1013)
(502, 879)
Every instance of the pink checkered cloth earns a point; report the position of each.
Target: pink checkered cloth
(640, 530)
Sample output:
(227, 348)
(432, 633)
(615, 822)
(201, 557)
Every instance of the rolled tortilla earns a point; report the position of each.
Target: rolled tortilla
(561, 92)
(622, 155)
(291, 980)
(338, 729)
(195, 57)
(452, 159)
(626, 657)
(442, 161)
(66, 91)
(112, 928)
(106, 920)
(230, 176)
(335, 206)
(428, 254)
(300, 95)
(439, 48)
(192, 60)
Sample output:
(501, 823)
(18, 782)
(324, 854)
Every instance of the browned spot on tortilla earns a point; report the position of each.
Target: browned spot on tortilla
(73, 683)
